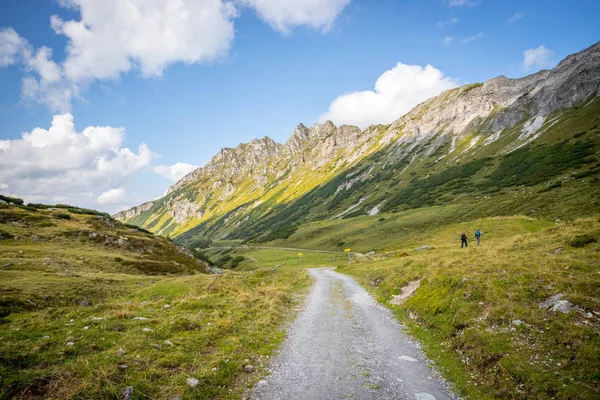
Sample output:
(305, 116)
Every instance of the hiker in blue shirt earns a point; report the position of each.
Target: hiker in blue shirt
(478, 236)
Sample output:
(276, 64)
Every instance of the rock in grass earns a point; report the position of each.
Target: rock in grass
(147, 330)
(85, 303)
(249, 368)
(140, 318)
(424, 247)
(70, 343)
(122, 367)
(555, 304)
(193, 382)
(126, 393)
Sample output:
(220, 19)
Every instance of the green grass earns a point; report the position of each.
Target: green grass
(71, 295)
(464, 309)
(212, 324)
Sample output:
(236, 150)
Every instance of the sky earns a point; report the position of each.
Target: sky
(105, 104)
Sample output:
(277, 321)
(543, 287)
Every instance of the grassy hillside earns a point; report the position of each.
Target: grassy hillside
(554, 176)
(477, 310)
(90, 307)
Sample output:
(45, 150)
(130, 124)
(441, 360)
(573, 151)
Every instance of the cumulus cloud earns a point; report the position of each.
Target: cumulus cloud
(12, 47)
(447, 39)
(114, 36)
(61, 163)
(283, 15)
(111, 196)
(396, 92)
(174, 172)
(515, 17)
(538, 57)
(472, 38)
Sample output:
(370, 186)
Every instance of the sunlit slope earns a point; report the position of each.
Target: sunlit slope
(476, 140)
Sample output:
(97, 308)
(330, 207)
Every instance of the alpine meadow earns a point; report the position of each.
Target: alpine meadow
(449, 252)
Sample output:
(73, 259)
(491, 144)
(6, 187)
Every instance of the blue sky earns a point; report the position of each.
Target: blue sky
(243, 69)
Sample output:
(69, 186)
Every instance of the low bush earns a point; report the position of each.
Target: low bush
(62, 216)
(582, 240)
(14, 200)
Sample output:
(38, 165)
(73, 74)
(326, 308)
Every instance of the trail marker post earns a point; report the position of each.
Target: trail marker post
(348, 252)
(300, 255)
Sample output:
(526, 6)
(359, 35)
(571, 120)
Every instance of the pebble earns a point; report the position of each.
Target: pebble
(86, 327)
(70, 343)
(147, 330)
(193, 382)
(249, 368)
(126, 393)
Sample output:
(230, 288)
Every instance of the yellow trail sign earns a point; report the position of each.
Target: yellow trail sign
(347, 250)
(300, 254)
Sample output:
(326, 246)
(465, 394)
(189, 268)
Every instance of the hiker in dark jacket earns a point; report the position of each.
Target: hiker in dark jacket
(463, 240)
(478, 236)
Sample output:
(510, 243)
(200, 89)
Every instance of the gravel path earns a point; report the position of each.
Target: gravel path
(343, 345)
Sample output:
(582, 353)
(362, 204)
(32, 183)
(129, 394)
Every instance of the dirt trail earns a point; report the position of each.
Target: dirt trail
(344, 345)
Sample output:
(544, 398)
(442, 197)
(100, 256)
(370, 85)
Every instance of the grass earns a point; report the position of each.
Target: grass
(201, 327)
(89, 306)
(467, 308)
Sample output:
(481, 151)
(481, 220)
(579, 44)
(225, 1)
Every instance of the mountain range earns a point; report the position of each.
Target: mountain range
(528, 143)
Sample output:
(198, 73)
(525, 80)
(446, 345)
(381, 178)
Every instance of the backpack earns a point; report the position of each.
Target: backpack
(463, 236)
(478, 233)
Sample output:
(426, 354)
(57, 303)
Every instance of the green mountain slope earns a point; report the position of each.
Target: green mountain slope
(518, 141)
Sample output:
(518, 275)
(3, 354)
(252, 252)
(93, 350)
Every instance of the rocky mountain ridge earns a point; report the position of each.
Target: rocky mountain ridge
(461, 124)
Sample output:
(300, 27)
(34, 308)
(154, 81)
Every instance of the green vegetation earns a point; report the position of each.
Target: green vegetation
(477, 310)
(80, 316)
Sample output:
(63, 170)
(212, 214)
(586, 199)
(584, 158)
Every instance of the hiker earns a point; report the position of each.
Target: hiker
(463, 240)
(478, 236)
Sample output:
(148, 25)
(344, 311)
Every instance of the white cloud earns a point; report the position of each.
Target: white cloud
(515, 17)
(539, 57)
(111, 196)
(59, 162)
(396, 92)
(461, 3)
(473, 38)
(451, 21)
(283, 15)
(114, 36)
(447, 39)
(12, 47)
(174, 172)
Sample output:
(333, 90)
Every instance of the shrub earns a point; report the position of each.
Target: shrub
(582, 240)
(5, 235)
(138, 228)
(381, 219)
(201, 243)
(62, 216)
(340, 243)
(223, 260)
(32, 209)
(551, 186)
(14, 200)
(236, 261)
